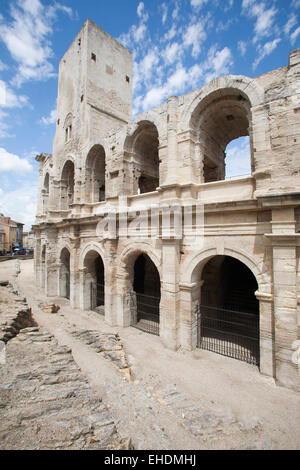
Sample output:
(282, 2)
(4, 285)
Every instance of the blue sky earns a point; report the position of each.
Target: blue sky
(177, 45)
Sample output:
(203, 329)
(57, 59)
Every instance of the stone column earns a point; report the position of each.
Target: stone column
(189, 308)
(52, 279)
(169, 304)
(172, 141)
(37, 260)
(83, 294)
(285, 307)
(125, 300)
(266, 334)
(110, 285)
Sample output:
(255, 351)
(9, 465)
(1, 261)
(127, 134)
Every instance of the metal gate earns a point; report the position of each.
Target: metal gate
(230, 333)
(147, 313)
(97, 297)
(67, 285)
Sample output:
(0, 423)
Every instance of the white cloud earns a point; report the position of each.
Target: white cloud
(296, 3)
(175, 12)
(238, 158)
(218, 63)
(10, 162)
(290, 24)
(3, 66)
(265, 50)
(4, 127)
(172, 52)
(51, 119)
(141, 12)
(294, 35)
(242, 47)
(198, 3)
(194, 36)
(9, 99)
(264, 25)
(137, 32)
(164, 13)
(26, 38)
(169, 35)
(20, 203)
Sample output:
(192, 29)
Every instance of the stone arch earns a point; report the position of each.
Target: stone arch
(45, 192)
(130, 253)
(43, 265)
(247, 86)
(91, 246)
(67, 184)
(95, 164)
(68, 127)
(92, 281)
(127, 298)
(142, 146)
(65, 272)
(219, 114)
(191, 283)
(194, 263)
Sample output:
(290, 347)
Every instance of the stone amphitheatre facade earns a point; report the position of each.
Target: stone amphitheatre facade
(233, 290)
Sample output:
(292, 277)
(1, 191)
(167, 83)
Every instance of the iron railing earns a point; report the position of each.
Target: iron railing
(231, 333)
(147, 313)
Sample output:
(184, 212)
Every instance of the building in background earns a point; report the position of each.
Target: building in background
(28, 240)
(2, 234)
(12, 233)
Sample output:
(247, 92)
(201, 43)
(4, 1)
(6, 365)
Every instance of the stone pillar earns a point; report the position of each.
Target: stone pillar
(125, 300)
(285, 307)
(37, 260)
(189, 308)
(83, 294)
(110, 285)
(266, 334)
(52, 279)
(172, 141)
(169, 304)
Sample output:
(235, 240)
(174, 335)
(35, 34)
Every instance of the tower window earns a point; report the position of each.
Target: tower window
(93, 57)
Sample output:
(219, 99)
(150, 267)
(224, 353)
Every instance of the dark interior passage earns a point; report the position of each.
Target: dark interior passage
(146, 285)
(228, 320)
(229, 284)
(95, 276)
(65, 273)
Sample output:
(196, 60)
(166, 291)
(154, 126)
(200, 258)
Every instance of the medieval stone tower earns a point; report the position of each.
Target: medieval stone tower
(235, 289)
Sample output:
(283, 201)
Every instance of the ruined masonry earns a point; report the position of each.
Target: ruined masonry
(235, 289)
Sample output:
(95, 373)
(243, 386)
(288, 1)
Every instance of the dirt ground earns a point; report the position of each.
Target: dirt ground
(174, 400)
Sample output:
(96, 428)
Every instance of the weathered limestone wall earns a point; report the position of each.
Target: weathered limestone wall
(178, 149)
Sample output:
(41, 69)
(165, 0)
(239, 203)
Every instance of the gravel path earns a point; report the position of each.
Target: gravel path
(163, 399)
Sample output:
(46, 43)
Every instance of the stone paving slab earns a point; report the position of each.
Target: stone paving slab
(45, 400)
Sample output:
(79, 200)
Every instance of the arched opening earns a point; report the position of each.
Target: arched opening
(45, 193)
(228, 319)
(64, 278)
(43, 267)
(222, 117)
(67, 185)
(237, 160)
(95, 174)
(146, 285)
(146, 160)
(94, 282)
